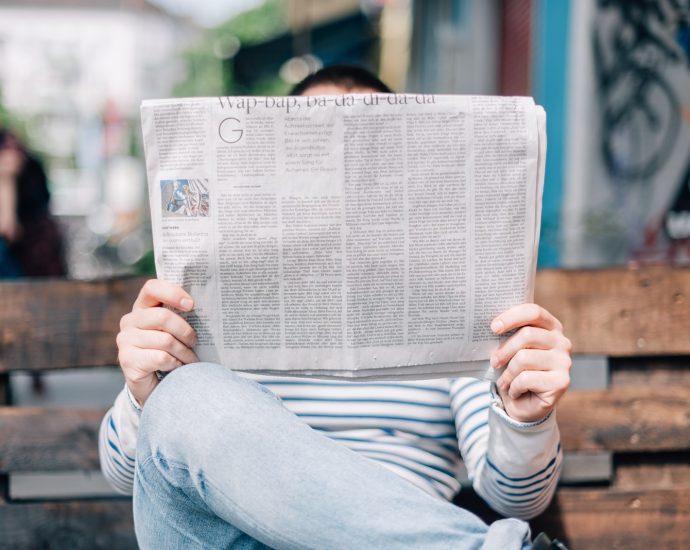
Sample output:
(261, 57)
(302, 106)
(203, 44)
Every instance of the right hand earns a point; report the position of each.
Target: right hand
(153, 338)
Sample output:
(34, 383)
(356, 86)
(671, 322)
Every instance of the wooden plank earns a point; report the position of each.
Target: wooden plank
(650, 371)
(653, 471)
(58, 525)
(627, 419)
(621, 312)
(613, 519)
(59, 323)
(35, 439)
(608, 518)
(616, 312)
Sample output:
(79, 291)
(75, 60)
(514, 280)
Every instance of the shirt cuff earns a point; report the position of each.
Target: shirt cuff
(133, 401)
(499, 410)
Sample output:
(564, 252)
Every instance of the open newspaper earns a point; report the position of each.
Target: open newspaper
(355, 236)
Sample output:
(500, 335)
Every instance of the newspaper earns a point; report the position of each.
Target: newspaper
(355, 236)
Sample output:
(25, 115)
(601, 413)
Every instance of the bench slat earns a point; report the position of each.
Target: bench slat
(614, 312)
(608, 518)
(620, 312)
(79, 524)
(626, 419)
(634, 520)
(57, 323)
(35, 439)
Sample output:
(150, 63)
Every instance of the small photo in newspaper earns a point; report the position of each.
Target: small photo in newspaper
(185, 198)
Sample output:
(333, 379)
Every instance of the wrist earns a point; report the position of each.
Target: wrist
(140, 391)
(529, 415)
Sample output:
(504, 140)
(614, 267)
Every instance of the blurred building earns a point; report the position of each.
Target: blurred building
(317, 32)
(614, 77)
(74, 72)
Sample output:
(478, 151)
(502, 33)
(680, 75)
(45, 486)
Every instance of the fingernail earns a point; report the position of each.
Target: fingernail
(497, 326)
(499, 382)
(186, 303)
(493, 361)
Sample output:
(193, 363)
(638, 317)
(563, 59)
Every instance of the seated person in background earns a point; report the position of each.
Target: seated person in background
(216, 460)
(32, 244)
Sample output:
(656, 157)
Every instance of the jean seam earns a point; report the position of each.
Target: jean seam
(239, 509)
(173, 526)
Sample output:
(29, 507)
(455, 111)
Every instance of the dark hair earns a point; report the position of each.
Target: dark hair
(345, 76)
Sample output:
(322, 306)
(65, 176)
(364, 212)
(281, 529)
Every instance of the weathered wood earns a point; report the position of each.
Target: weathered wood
(626, 419)
(650, 371)
(653, 471)
(616, 312)
(35, 439)
(621, 312)
(614, 519)
(59, 323)
(74, 525)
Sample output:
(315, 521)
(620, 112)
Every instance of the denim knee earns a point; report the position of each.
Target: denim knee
(197, 402)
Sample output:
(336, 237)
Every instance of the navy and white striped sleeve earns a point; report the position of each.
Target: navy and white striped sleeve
(514, 466)
(117, 442)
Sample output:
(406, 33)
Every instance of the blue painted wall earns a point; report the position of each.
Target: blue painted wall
(550, 77)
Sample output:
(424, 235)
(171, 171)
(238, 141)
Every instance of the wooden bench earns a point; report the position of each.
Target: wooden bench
(627, 444)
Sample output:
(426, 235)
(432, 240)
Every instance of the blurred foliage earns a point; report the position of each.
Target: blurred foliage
(259, 24)
(205, 74)
(15, 124)
(146, 265)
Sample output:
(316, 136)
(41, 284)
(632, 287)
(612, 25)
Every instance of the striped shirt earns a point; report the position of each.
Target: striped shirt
(414, 429)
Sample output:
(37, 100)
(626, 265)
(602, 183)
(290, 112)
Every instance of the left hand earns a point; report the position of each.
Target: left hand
(537, 361)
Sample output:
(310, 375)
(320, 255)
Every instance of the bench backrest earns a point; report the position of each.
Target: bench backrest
(638, 426)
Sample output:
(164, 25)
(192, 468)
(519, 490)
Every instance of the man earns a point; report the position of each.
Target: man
(222, 462)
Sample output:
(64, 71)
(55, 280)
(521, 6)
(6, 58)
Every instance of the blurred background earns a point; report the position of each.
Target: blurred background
(613, 75)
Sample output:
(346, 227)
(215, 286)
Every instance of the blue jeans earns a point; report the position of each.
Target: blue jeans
(221, 463)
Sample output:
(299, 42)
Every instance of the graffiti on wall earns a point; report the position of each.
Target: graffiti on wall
(640, 47)
(637, 101)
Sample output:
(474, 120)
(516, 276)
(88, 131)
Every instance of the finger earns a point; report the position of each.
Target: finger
(156, 339)
(548, 386)
(161, 360)
(525, 360)
(524, 315)
(525, 338)
(135, 361)
(156, 292)
(160, 318)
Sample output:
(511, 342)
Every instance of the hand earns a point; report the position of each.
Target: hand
(537, 361)
(11, 161)
(153, 338)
